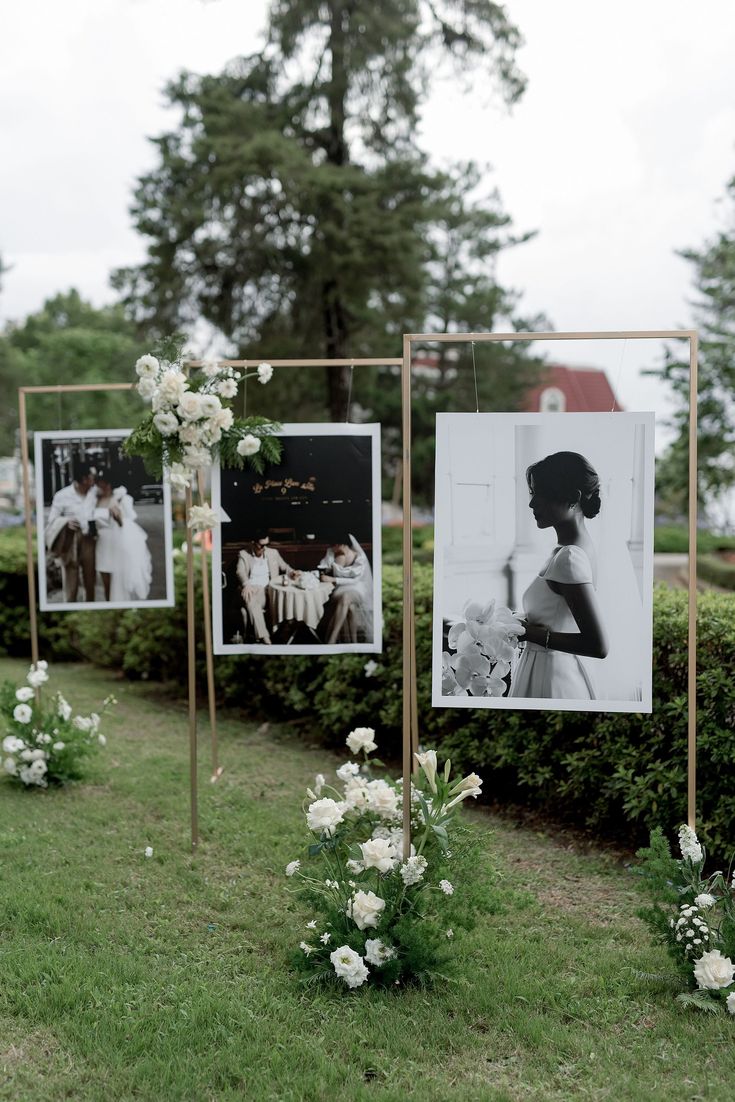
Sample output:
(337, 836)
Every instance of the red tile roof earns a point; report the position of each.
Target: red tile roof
(587, 390)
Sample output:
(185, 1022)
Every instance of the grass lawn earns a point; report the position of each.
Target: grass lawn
(123, 977)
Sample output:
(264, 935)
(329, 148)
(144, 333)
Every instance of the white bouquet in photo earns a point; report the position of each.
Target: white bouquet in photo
(46, 743)
(383, 916)
(480, 649)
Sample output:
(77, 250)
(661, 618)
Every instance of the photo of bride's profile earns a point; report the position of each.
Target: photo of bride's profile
(543, 579)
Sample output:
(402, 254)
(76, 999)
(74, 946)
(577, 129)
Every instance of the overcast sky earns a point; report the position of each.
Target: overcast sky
(617, 155)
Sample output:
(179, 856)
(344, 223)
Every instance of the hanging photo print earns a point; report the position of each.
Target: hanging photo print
(296, 557)
(104, 538)
(543, 572)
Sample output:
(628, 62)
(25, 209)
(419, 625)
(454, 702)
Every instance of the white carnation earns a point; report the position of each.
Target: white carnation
(349, 966)
(22, 713)
(348, 770)
(25, 694)
(378, 853)
(249, 445)
(147, 367)
(172, 386)
(227, 388)
(166, 423)
(265, 373)
(362, 738)
(365, 909)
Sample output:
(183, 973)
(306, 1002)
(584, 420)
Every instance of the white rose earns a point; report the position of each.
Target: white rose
(376, 952)
(382, 799)
(362, 738)
(166, 423)
(11, 744)
(349, 965)
(427, 762)
(24, 695)
(265, 373)
(37, 675)
(705, 900)
(202, 517)
(378, 853)
(179, 476)
(292, 867)
(37, 768)
(209, 405)
(227, 388)
(38, 755)
(223, 419)
(190, 434)
(323, 816)
(146, 388)
(146, 367)
(249, 445)
(347, 771)
(713, 971)
(172, 386)
(365, 909)
(356, 794)
(190, 406)
(22, 713)
(11, 767)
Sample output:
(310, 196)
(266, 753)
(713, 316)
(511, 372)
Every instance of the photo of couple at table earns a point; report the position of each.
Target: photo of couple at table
(296, 559)
(104, 537)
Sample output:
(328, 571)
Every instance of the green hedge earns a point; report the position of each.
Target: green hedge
(674, 538)
(617, 774)
(716, 570)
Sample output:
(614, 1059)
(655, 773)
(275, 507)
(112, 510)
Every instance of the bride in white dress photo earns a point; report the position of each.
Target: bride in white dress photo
(122, 556)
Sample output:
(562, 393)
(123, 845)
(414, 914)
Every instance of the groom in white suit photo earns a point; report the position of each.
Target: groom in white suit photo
(256, 568)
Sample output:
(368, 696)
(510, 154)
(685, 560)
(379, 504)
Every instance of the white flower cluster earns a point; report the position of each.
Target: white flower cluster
(691, 929)
(484, 643)
(35, 748)
(689, 845)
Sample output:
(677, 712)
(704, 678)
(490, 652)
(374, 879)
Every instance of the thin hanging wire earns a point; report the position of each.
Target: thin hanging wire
(474, 372)
(349, 393)
(620, 374)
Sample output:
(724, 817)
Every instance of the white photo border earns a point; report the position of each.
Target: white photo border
(95, 606)
(371, 430)
(644, 706)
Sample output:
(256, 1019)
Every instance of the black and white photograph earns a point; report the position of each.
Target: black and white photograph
(104, 525)
(543, 561)
(296, 557)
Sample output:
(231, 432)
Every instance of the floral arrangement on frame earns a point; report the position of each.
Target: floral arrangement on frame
(384, 917)
(693, 916)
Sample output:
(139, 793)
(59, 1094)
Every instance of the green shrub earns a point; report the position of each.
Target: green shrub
(716, 571)
(674, 539)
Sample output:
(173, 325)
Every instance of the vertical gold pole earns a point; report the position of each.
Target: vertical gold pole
(692, 641)
(207, 613)
(26, 464)
(407, 591)
(414, 694)
(191, 640)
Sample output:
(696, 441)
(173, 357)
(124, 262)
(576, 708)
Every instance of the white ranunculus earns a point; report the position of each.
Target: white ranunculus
(365, 909)
(249, 445)
(705, 900)
(324, 816)
(11, 767)
(689, 845)
(209, 405)
(166, 423)
(191, 433)
(227, 388)
(265, 373)
(146, 367)
(349, 966)
(347, 771)
(378, 853)
(427, 761)
(172, 386)
(179, 476)
(377, 952)
(362, 738)
(146, 388)
(730, 1002)
(25, 694)
(292, 867)
(190, 406)
(713, 971)
(382, 799)
(202, 518)
(22, 713)
(412, 871)
(223, 420)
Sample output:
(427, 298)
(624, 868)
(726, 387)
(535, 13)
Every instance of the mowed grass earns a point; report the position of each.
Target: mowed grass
(123, 977)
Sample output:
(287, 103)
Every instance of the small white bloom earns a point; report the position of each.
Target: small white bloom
(265, 373)
(196, 457)
(192, 434)
(10, 766)
(349, 965)
(412, 871)
(690, 847)
(446, 887)
(249, 445)
(306, 947)
(223, 419)
(37, 768)
(166, 423)
(376, 952)
(38, 755)
(365, 909)
(210, 368)
(149, 851)
(58, 746)
(348, 770)
(179, 475)
(362, 738)
(450, 933)
(209, 405)
(12, 744)
(146, 389)
(41, 665)
(292, 867)
(311, 925)
(704, 900)
(227, 388)
(172, 386)
(428, 763)
(26, 754)
(730, 1003)
(332, 883)
(324, 816)
(24, 695)
(382, 798)
(82, 723)
(63, 708)
(356, 794)
(202, 518)
(324, 938)
(355, 866)
(319, 782)
(22, 713)
(370, 668)
(713, 971)
(147, 367)
(102, 739)
(190, 406)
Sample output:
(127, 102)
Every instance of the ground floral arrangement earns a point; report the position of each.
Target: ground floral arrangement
(382, 919)
(191, 424)
(480, 649)
(694, 917)
(46, 745)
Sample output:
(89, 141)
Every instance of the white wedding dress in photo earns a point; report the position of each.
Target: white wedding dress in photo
(122, 551)
(548, 674)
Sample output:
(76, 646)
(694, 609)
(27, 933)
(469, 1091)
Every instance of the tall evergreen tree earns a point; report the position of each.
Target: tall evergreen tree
(293, 209)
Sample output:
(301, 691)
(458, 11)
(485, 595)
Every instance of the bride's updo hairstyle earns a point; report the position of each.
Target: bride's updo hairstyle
(562, 476)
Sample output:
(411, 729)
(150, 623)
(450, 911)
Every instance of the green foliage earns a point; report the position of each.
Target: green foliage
(674, 539)
(716, 570)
